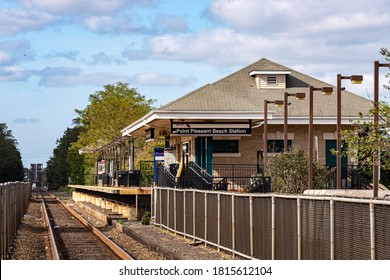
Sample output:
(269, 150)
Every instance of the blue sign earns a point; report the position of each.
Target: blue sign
(158, 157)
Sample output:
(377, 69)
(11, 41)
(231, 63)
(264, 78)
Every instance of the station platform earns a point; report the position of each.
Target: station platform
(131, 202)
(115, 190)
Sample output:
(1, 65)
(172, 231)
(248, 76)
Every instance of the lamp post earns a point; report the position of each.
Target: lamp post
(325, 91)
(278, 103)
(298, 96)
(355, 79)
(375, 173)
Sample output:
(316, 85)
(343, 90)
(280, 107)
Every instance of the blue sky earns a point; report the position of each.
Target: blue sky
(55, 53)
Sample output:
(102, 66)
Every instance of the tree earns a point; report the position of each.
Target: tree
(11, 165)
(363, 141)
(386, 55)
(64, 163)
(109, 111)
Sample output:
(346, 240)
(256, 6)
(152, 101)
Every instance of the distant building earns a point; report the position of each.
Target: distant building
(36, 174)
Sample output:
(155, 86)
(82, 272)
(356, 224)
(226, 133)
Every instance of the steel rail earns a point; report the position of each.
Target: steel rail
(112, 245)
(52, 241)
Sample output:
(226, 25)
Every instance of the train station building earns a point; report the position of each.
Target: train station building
(219, 135)
(223, 123)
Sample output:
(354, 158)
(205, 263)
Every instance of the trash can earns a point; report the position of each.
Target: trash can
(123, 178)
(134, 178)
(266, 185)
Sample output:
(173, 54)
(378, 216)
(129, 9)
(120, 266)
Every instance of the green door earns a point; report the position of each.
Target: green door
(204, 153)
(331, 160)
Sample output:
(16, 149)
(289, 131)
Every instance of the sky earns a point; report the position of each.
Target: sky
(55, 53)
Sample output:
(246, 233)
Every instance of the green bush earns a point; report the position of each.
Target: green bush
(289, 173)
(146, 218)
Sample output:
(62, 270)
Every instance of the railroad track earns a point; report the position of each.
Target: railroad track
(73, 238)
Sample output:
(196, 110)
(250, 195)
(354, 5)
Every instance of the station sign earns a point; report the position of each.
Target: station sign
(211, 128)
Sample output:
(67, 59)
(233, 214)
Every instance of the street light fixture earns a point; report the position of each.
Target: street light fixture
(298, 96)
(278, 103)
(355, 79)
(375, 173)
(325, 91)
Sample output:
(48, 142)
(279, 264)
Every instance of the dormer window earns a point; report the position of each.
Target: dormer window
(270, 79)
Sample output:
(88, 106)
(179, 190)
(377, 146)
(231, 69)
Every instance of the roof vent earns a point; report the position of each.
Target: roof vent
(270, 79)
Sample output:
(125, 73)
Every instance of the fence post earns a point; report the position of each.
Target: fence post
(372, 231)
(168, 210)
(160, 222)
(251, 225)
(2, 222)
(174, 211)
(299, 227)
(219, 221)
(233, 228)
(205, 218)
(193, 216)
(185, 213)
(273, 228)
(331, 229)
(152, 210)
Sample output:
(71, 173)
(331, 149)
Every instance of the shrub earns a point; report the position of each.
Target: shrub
(146, 218)
(289, 173)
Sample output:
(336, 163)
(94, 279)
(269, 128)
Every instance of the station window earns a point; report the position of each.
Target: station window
(277, 146)
(225, 146)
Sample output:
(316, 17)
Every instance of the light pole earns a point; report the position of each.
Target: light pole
(355, 79)
(298, 96)
(325, 91)
(375, 173)
(278, 103)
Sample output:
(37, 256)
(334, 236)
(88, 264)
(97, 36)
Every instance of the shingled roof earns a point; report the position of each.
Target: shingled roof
(238, 92)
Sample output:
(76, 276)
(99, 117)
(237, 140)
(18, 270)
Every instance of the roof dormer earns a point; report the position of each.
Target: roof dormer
(270, 79)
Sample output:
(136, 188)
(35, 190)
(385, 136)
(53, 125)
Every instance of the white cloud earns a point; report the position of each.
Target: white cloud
(252, 14)
(89, 7)
(170, 23)
(71, 76)
(220, 47)
(25, 120)
(139, 54)
(208, 46)
(71, 54)
(14, 21)
(226, 48)
(12, 73)
(157, 79)
(15, 51)
(113, 25)
(127, 23)
(335, 21)
(101, 58)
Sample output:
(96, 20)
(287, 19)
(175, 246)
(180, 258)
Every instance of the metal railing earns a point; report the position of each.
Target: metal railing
(354, 177)
(239, 176)
(275, 226)
(165, 178)
(14, 200)
(195, 177)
